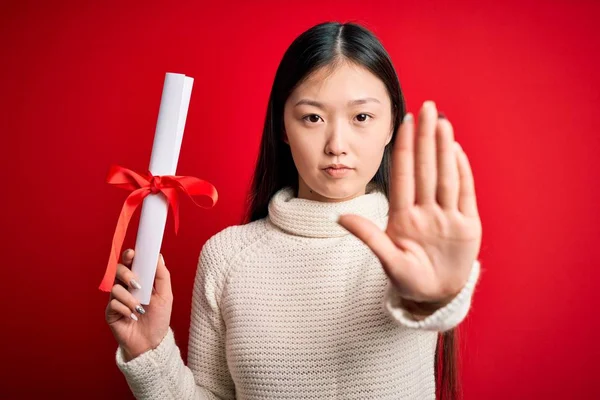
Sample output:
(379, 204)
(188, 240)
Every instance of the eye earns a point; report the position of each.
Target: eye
(313, 118)
(363, 117)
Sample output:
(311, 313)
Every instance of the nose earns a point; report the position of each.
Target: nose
(336, 143)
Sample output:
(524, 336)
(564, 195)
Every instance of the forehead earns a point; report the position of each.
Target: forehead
(341, 83)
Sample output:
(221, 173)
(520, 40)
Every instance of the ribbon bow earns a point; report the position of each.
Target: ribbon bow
(142, 186)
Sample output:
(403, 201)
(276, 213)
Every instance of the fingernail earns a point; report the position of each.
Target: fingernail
(135, 284)
(408, 117)
(162, 258)
(140, 309)
(441, 115)
(133, 317)
(333, 216)
(429, 103)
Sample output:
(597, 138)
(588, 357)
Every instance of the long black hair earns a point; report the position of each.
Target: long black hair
(326, 45)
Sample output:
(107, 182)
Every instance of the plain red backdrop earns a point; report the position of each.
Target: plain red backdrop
(80, 89)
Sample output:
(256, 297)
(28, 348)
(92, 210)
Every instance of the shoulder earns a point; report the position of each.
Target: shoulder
(216, 259)
(225, 245)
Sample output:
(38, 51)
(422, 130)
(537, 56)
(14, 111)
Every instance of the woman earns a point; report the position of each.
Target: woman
(359, 248)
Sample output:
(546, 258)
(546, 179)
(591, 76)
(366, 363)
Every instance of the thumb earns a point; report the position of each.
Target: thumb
(162, 280)
(392, 258)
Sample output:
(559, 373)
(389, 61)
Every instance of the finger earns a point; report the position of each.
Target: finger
(127, 257)
(447, 179)
(392, 258)
(118, 282)
(402, 187)
(118, 308)
(121, 294)
(162, 280)
(124, 274)
(425, 161)
(467, 202)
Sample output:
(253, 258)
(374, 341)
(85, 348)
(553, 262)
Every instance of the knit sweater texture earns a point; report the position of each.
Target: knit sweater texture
(293, 306)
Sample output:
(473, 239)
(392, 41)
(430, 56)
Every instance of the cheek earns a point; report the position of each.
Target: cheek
(370, 153)
(305, 152)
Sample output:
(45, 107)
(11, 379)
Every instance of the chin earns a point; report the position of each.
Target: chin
(340, 190)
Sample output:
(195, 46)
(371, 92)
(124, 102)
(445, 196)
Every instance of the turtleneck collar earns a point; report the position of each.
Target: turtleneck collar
(311, 218)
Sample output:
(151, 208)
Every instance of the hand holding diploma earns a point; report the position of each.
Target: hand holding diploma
(136, 328)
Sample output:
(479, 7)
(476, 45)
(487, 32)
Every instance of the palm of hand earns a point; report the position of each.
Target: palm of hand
(434, 231)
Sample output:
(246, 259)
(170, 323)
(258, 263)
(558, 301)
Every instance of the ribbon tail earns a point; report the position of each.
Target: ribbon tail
(175, 208)
(129, 207)
(173, 199)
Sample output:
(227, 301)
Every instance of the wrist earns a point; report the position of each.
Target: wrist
(423, 309)
(130, 354)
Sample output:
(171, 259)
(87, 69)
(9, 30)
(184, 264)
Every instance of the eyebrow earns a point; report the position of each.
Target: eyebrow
(350, 103)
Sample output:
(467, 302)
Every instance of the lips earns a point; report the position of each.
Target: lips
(337, 166)
(337, 170)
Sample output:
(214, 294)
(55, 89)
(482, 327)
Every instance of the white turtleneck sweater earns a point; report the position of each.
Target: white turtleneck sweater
(293, 306)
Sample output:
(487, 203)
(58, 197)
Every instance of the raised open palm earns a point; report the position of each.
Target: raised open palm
(434, 231)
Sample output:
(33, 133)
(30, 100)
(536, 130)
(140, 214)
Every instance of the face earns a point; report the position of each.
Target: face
(340, 118)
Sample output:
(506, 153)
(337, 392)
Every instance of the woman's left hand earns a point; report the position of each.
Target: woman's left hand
(434, 231)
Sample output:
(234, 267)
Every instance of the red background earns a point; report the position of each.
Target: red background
(80, 90)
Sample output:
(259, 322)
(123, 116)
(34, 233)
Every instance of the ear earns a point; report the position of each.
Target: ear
(389, 138)
(285, 138)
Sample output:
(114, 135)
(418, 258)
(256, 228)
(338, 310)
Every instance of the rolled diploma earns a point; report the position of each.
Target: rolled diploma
(172, 115)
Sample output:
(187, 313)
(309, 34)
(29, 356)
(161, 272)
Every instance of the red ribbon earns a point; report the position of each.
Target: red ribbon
(142, 186)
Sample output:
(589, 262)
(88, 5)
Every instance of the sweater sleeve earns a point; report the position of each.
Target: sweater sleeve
(161, 373)
(441, 320)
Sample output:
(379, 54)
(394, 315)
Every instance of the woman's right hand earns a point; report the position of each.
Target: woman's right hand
(139, 328)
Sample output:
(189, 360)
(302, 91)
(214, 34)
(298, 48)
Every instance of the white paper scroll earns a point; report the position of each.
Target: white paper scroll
(172, 115)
